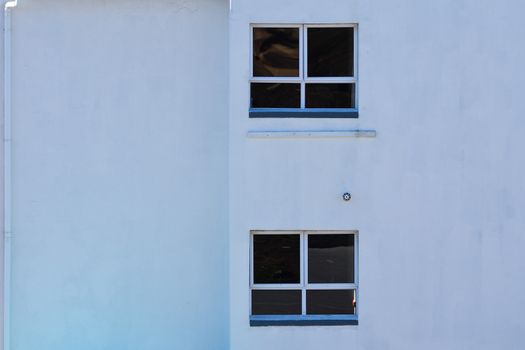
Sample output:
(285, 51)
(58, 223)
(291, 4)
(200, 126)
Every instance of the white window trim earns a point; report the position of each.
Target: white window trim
(303, 61)
(304, 285)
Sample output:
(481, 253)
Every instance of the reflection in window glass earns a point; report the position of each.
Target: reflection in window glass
(275, 95)
(330, 96)
(330, 52)
(276, 302)
(331, 258)
(275, 52)
(276, 258)
(330, 302)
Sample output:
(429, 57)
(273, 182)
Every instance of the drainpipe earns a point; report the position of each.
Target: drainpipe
(7, 174)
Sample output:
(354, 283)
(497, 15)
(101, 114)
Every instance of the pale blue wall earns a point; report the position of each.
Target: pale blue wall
(120, 175)
(121, 194)
(437, 196)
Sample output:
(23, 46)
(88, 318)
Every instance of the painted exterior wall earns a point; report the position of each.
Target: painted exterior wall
(126, 212)
(120, 175)
(436, 195)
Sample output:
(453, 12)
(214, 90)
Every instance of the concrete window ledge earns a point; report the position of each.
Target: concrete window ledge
(303, 320)
(312, 134)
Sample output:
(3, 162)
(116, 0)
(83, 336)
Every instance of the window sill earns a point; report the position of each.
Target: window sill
(303, 320)
(303, 113)
(311, 134)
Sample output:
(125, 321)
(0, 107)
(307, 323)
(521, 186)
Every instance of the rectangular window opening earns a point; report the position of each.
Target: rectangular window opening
(304, 71)
(303, 277)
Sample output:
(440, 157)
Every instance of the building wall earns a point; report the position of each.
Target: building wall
(122, 197)
(120, 175)
(436, 195)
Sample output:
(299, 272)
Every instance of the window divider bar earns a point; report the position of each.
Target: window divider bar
(301, 261)
(305, 269)
(303, 95)
(329, 286)
(329, 80)
(303, 301)
(301, 53)
(302, 66)
(277, 286)
(292, 80)
(304, 50)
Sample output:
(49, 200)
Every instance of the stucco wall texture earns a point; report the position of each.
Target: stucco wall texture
(120, 175)
(436, 196)
(135, 185)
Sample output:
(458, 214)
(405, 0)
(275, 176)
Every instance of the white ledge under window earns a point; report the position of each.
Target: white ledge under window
(312, 134)
(303, 320)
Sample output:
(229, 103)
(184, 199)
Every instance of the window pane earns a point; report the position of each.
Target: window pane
(330, 302)
(270, 95)
(276, 259)
(330, 96)
(275, 52)
(276, 302)
(331, 258)
(330, 52)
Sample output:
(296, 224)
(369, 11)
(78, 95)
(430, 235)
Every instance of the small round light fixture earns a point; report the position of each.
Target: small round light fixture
(347, 196)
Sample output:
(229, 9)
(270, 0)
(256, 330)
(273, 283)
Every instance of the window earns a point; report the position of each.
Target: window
(303, 278)
(304, 71)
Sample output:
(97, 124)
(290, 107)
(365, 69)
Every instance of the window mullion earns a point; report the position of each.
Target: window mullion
(301, 52)
(286, 80)
(328, 286)
(303, 280)
(303, 95)
(305, 271)
(303, 301)
(304, 50)
(302, 63)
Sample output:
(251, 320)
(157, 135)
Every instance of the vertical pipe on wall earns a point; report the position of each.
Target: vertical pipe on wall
(7, 174)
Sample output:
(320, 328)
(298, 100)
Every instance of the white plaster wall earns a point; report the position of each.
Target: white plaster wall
(437, 196)
(120, 175)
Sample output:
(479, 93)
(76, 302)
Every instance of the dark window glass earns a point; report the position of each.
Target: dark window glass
(331, 258)
(330, 302)
(330, 96)
(330, 52)
(276, 302)
(275, 95)
(275, 52)
(276, 259)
